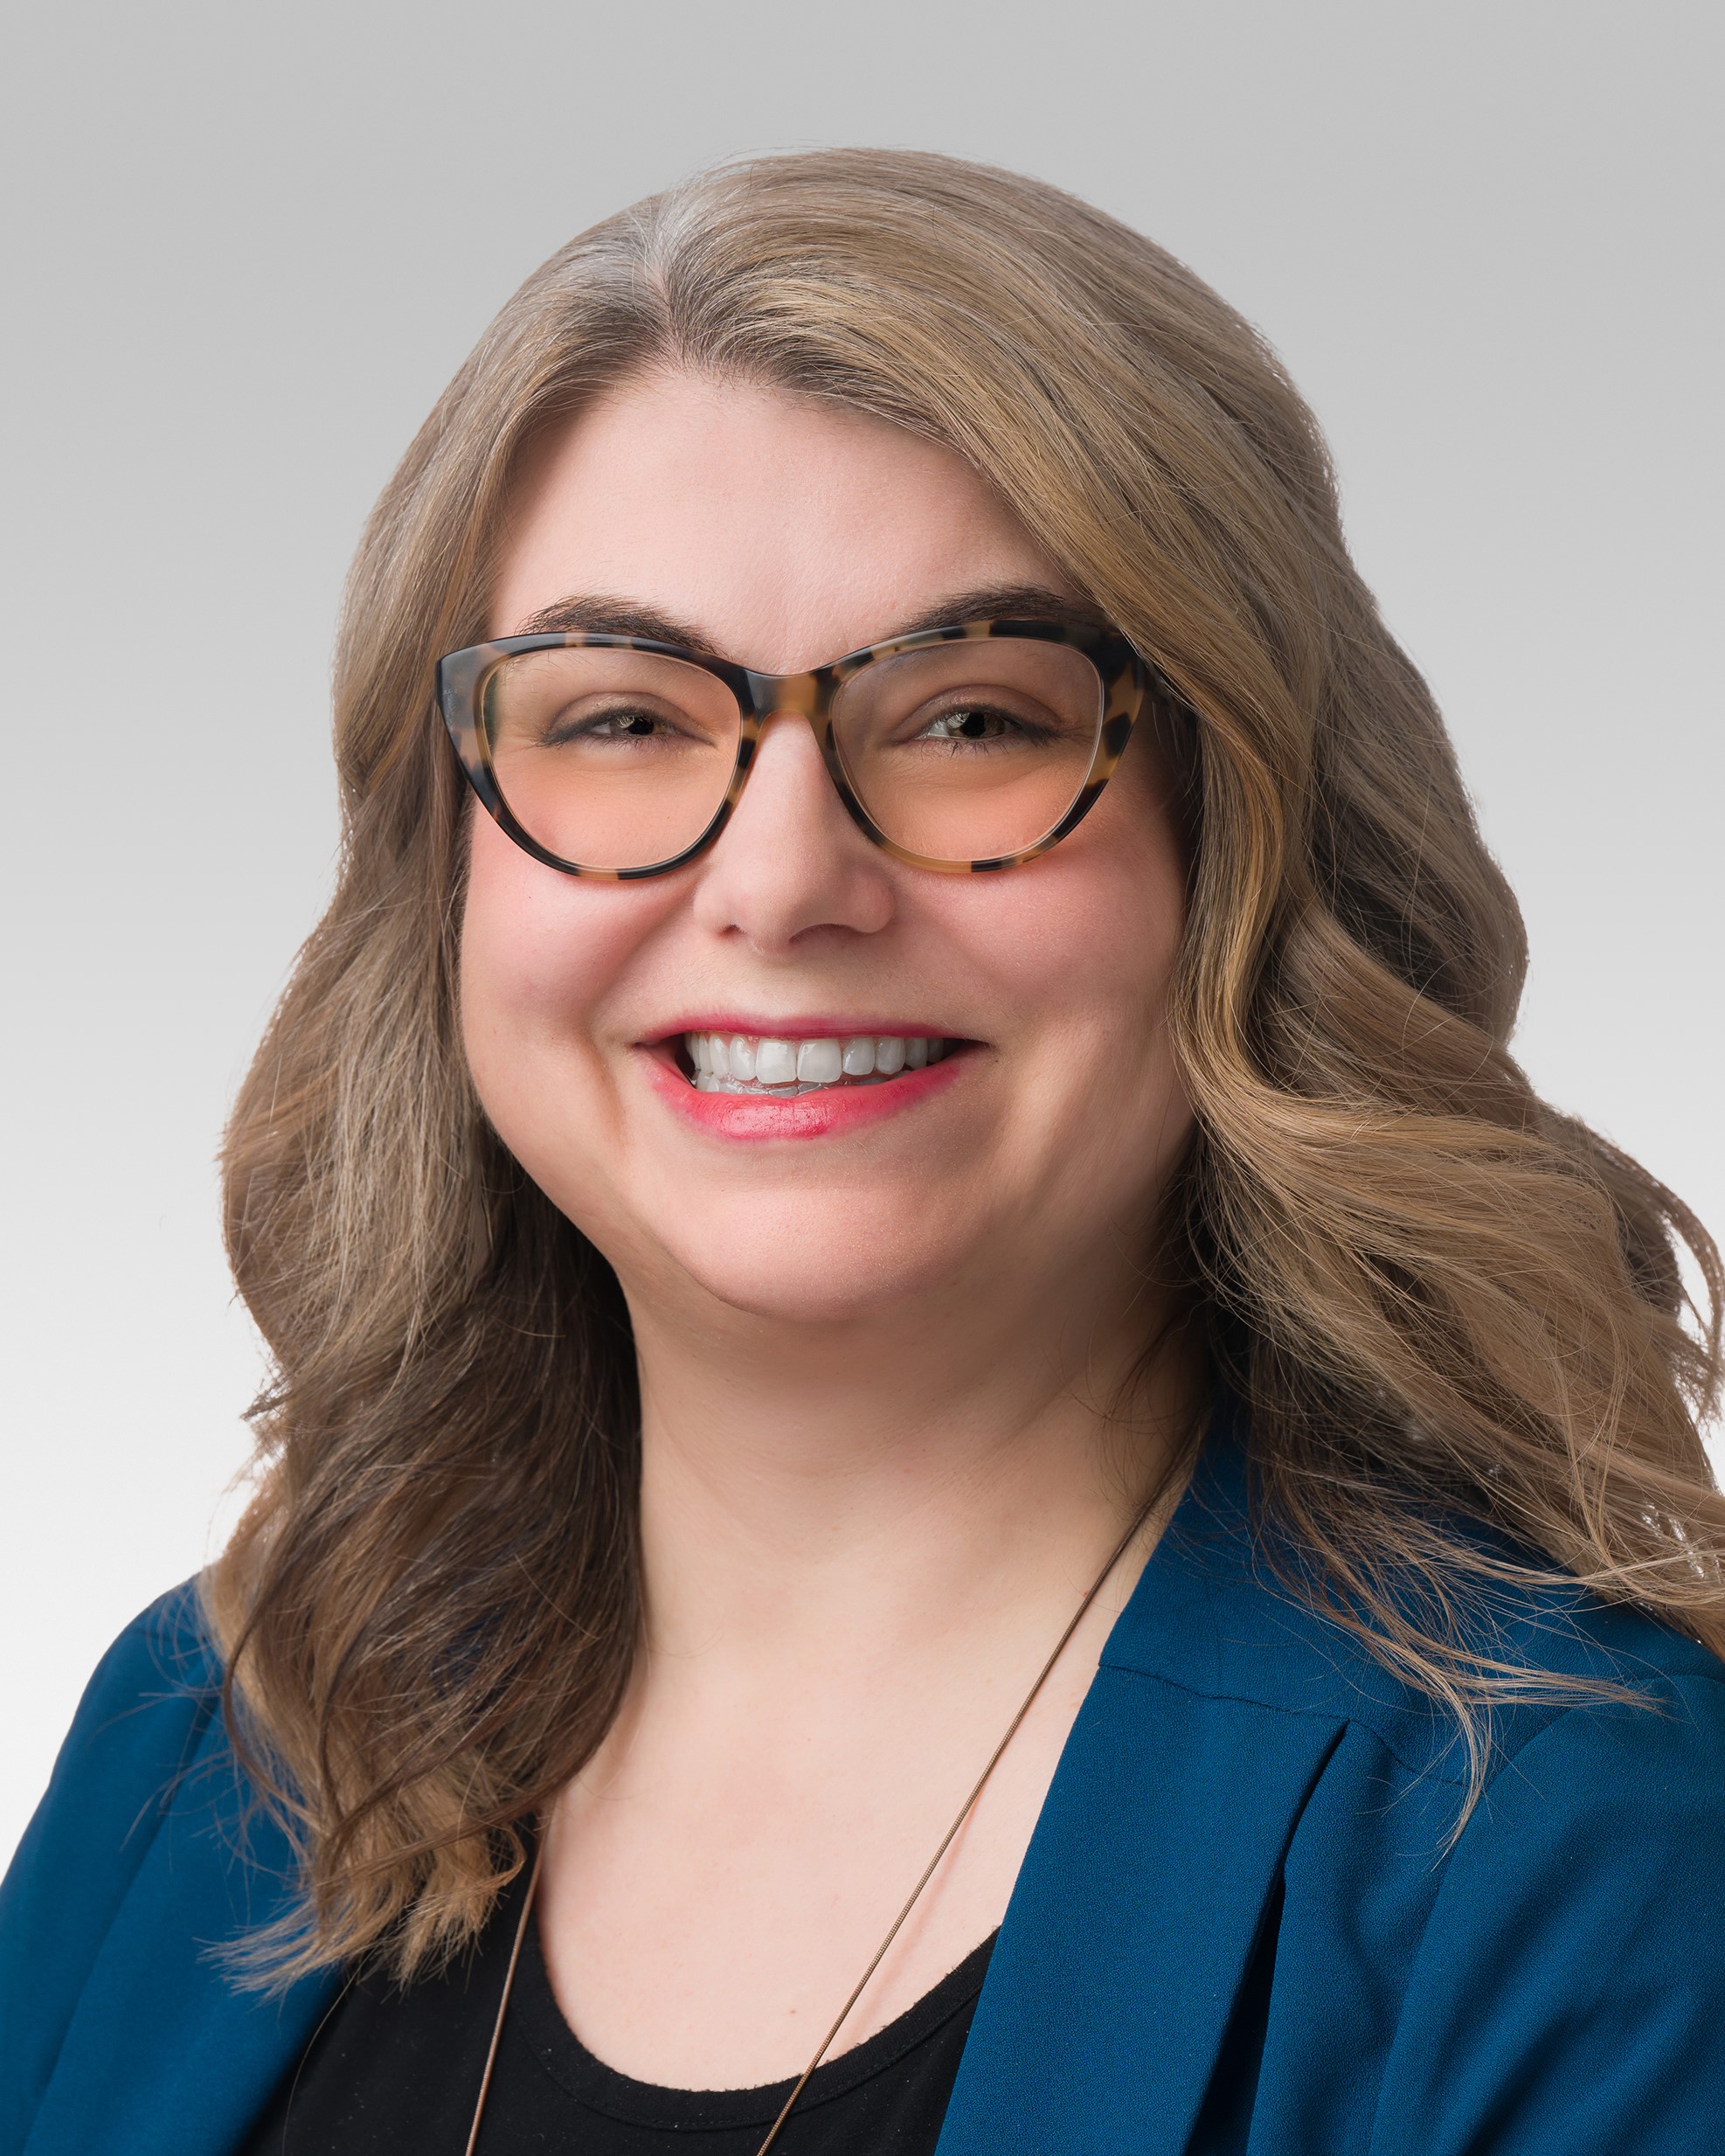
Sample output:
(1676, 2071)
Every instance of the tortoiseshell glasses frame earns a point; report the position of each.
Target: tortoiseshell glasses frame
(1127, 682)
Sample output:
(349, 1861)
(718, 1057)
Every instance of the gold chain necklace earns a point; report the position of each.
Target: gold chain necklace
(898, 1925)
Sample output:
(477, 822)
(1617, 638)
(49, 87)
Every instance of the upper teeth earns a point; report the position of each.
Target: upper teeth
(739, 1061)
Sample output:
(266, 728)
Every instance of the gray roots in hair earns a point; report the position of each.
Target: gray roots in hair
(1441, 1300)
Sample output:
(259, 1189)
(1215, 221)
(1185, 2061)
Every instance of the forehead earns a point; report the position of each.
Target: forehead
(786, 528)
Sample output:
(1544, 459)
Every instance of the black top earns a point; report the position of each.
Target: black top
(393, 2073)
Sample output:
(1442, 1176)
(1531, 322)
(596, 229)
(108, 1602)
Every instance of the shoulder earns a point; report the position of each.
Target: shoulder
(1216, 1614)
(166, 1651)
(147, 1716)
(147, 1707)
(1568, 1987)
(1543, 1968)
(149, 1698)
(151, 1695)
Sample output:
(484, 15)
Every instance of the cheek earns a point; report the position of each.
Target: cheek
(539, 954)
(518, 966)
(1094, 948)
(1079, 952)
(1086, 940)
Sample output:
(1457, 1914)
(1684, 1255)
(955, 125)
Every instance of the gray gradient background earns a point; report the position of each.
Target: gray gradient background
(247, 247)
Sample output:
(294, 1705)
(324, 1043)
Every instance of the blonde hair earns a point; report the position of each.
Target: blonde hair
(1441, 1298)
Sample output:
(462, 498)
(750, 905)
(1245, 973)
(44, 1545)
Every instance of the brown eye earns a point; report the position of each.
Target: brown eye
(602, 728)
(969, 726)
(985, 725)
(638, 726)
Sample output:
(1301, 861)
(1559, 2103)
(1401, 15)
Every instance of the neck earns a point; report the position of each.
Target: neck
(888, 1478)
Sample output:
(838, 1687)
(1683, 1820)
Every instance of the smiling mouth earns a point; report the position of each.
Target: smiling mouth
(763, 1067)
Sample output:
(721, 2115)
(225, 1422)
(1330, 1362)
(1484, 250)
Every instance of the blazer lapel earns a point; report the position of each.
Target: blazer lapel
(1131, 1922)
(1161, 1839)
(163, 2056)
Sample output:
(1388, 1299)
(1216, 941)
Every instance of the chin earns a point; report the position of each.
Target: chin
(821, 1263)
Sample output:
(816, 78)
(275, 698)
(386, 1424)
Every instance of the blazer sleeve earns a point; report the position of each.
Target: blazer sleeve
(1568, 1997)
(139, 1720)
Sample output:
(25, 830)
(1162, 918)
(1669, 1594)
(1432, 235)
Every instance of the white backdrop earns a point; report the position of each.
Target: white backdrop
(244, 249)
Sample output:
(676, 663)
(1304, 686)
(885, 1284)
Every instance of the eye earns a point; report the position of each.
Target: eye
(970, 723)
(620, 723)
(638, 726)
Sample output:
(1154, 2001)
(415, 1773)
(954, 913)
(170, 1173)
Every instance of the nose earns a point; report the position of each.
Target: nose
(790, 864)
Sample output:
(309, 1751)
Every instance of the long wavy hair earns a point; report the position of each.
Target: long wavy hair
(1442, 1299)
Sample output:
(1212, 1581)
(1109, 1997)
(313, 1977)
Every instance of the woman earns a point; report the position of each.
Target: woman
(775, 1327)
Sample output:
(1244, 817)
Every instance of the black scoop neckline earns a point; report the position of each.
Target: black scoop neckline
(602, 2089)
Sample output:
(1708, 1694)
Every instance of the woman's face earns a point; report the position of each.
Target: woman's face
(1025, 1162)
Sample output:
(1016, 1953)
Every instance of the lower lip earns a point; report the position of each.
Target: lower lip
(828, 1113)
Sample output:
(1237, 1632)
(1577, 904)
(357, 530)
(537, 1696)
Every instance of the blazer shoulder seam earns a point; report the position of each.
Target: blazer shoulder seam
(1337, 1717)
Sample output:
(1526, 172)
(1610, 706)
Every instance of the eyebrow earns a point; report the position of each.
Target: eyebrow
(599, 615)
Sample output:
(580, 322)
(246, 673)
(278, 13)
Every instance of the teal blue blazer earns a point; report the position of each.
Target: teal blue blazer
(1242, 1927)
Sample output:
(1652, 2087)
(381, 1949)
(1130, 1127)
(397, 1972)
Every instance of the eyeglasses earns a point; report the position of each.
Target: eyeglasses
(975, 746)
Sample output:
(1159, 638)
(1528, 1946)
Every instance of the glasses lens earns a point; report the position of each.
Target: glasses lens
(610, 760)
(970, 750)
